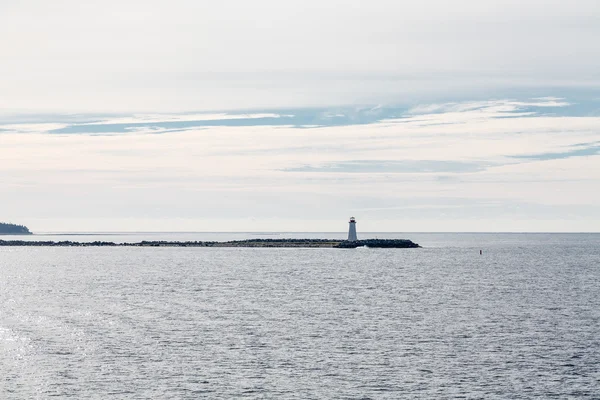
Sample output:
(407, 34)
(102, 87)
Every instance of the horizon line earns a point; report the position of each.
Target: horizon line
(280, 232)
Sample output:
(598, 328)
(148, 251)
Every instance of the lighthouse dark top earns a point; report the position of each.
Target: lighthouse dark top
(352, 230)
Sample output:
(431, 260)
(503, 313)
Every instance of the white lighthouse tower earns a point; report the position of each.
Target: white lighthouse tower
(352, 230)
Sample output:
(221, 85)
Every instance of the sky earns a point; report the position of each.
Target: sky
(292, 116)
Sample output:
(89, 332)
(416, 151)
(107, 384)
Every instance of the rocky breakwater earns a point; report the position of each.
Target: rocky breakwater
(269, 243)
(379, 243)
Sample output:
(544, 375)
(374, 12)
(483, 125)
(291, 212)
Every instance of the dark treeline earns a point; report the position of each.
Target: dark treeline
(13, 229)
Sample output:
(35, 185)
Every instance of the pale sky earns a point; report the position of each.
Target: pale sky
(292, 116)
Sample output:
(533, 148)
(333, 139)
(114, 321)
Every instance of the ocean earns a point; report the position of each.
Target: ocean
(519, 321)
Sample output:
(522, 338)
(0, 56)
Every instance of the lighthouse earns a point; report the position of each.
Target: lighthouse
(352, 230)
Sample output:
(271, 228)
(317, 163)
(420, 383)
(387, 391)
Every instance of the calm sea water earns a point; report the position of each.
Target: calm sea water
(520, 321)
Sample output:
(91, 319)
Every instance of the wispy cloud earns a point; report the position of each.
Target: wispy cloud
(388, 166)
(431, 115)
(392, 166)
(578, 151)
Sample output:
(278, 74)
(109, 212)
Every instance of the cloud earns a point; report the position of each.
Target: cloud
(136, 123)
(388, 166)
(131, 56)
(577, 152)
(505, 107)
(431, 115)
(392, 167)
(202, 115)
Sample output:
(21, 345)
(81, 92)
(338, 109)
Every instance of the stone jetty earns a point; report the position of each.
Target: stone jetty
(297, 243)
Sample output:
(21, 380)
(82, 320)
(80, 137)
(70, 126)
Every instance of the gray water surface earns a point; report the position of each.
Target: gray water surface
(520, 321)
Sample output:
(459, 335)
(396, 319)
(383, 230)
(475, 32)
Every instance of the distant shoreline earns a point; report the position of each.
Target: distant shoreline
(268, 243)
(13, 229)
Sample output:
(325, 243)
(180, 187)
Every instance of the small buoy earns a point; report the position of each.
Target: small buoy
(480, 252)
